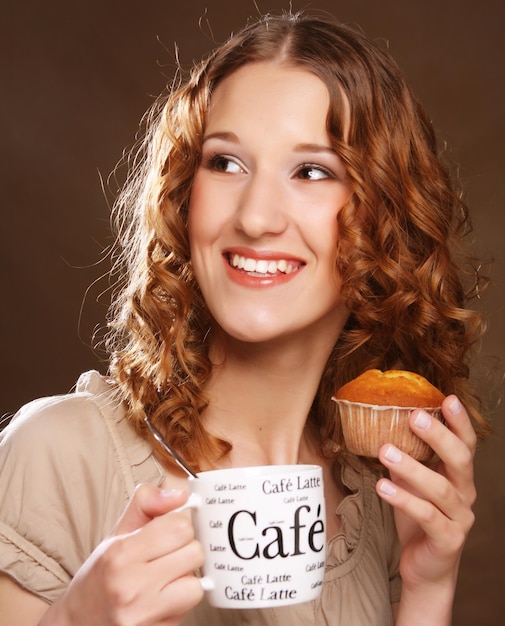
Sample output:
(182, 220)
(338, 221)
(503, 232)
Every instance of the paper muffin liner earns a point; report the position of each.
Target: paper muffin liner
(366, 427)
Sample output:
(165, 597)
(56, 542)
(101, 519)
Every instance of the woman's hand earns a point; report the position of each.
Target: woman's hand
(143, 574)
(433, 511)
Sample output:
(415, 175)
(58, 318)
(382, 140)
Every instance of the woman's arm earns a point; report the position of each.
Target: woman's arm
(19, 607)
(143, 573)
(433, 513)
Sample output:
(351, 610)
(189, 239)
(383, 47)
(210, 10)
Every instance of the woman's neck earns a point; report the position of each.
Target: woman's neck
(260, 398)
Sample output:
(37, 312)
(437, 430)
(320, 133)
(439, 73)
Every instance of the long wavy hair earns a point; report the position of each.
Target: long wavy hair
(405, 279)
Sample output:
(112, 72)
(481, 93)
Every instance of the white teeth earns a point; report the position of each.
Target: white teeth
(261, 266)
(250, 265)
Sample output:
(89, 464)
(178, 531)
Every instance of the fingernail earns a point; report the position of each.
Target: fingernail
(423, 420)
(387, 488)
(193, 502)
(170, 493)
(455, 406)
(393, 454)
(207, 583)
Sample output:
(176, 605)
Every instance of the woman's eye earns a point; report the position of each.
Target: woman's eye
(220, 163)
(313, 172)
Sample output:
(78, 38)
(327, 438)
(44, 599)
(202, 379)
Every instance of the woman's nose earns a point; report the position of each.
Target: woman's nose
(261, 207)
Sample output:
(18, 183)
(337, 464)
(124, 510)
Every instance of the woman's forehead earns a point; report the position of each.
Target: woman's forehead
(287, 87)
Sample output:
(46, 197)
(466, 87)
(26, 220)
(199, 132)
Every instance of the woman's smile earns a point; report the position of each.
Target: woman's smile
(261, 269)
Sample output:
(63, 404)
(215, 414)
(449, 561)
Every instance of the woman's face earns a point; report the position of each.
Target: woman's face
(262, 215)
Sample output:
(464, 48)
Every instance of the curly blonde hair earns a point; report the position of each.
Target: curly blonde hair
(397, 249)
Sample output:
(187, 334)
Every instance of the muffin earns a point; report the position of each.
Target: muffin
(374, 409)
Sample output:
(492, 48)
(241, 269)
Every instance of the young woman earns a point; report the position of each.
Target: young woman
(288, 226)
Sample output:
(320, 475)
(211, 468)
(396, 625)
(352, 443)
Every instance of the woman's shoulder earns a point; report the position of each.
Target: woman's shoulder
(84, 432)
(89, 418)
(58, 414)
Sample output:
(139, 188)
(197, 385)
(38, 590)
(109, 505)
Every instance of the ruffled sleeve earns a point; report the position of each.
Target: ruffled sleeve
(68, 466)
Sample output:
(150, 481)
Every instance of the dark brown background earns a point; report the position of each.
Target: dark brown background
(76, 78)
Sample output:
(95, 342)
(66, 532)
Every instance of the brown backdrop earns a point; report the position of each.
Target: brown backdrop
(76, 78)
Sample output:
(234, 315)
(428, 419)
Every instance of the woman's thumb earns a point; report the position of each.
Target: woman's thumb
(147, 503)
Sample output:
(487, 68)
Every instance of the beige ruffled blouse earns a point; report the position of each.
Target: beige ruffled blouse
(68, 466)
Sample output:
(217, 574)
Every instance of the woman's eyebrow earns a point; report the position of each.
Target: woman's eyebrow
(223, 135)
(314, 147)
(300, 147)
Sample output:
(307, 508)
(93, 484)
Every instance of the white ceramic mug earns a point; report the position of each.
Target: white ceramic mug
(263, 533)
